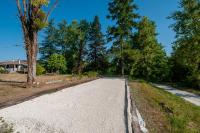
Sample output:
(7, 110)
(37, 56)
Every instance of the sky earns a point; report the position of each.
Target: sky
(11, 37)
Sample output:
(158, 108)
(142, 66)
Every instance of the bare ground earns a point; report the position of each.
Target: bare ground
(13, 90)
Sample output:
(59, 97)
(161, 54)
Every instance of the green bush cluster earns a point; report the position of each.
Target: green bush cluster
(40, 70)
(91, 74)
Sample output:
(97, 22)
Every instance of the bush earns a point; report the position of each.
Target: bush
(194, 81)
(2, 70)
(57, 63)
(91, 74)
(40, 69)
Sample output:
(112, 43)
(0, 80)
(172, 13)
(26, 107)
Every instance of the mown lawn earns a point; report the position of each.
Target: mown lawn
(164, 112)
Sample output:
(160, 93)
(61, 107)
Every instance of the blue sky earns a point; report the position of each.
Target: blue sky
(11, 35)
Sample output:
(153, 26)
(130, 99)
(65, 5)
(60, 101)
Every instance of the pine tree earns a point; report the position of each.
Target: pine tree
(187, 45)
(122, 13)
(150, 61)
(97, 49)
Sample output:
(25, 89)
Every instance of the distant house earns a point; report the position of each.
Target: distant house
(15, 66)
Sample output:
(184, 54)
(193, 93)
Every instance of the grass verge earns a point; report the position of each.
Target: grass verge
(164, 112)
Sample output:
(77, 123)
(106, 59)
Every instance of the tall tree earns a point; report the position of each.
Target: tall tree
(81, 46)
(122, 13)
(187, 45)
(97, 49)
(150, 62)
(49, 45)
(33, 18)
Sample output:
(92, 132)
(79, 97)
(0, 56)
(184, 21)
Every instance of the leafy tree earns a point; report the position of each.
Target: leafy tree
(150, 61)
(97, 50)
(81, 48)
(57, 63)
(122, 13)
(33, 18)
(186, 53)
(49, 45)
(67, 40)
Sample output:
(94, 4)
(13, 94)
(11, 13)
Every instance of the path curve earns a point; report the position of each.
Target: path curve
(93, 107)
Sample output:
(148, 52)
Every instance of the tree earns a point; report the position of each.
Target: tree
(67, 41)
(186, 53)
(57, 63)
(49, 45)
(122, 13)
(150, 60)
(33, 18)
(81, 50)
(97, 49)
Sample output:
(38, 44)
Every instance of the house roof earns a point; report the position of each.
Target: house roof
(16, 62)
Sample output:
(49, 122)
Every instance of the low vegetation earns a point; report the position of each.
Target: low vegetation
(5, 127)
(164, 112)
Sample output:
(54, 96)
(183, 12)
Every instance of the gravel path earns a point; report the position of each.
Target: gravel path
(93, 107)
(195, 99)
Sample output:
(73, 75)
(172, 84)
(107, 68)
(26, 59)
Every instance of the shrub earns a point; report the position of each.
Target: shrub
(2, 70)
(194, 81)
(40, 69)
(57, 63)
(92, 74)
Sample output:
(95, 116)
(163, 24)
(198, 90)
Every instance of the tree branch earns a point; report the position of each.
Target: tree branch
(25, 8)
(51, 9)
(19, 8)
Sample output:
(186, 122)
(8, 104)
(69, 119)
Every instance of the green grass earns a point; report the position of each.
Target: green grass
(164, 112)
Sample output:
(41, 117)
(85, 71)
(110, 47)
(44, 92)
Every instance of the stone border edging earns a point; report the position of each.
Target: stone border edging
(135, 122)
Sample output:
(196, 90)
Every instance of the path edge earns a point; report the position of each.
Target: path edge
(136, 124)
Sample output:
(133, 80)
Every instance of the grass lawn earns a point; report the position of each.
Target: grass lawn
(12, 86)
(164, 112)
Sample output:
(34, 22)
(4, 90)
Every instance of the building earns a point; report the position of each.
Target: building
(15, 66)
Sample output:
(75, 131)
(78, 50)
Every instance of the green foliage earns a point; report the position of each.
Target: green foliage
(97, 51)
(38, 14)
(122, 13)
(40, 70)
(149, 59)
(186, 55)
(48, 46)
(3, 71)
(39, 2)
(5, 127)
(57, 63)
(92, 74)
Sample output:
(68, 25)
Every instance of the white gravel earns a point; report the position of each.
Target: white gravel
(195, 99)
(93, 107)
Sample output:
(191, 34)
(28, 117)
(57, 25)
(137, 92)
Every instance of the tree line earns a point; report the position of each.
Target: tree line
(81, 46)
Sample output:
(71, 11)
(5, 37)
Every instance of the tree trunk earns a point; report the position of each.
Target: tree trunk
(31, 48)
(122, 57)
